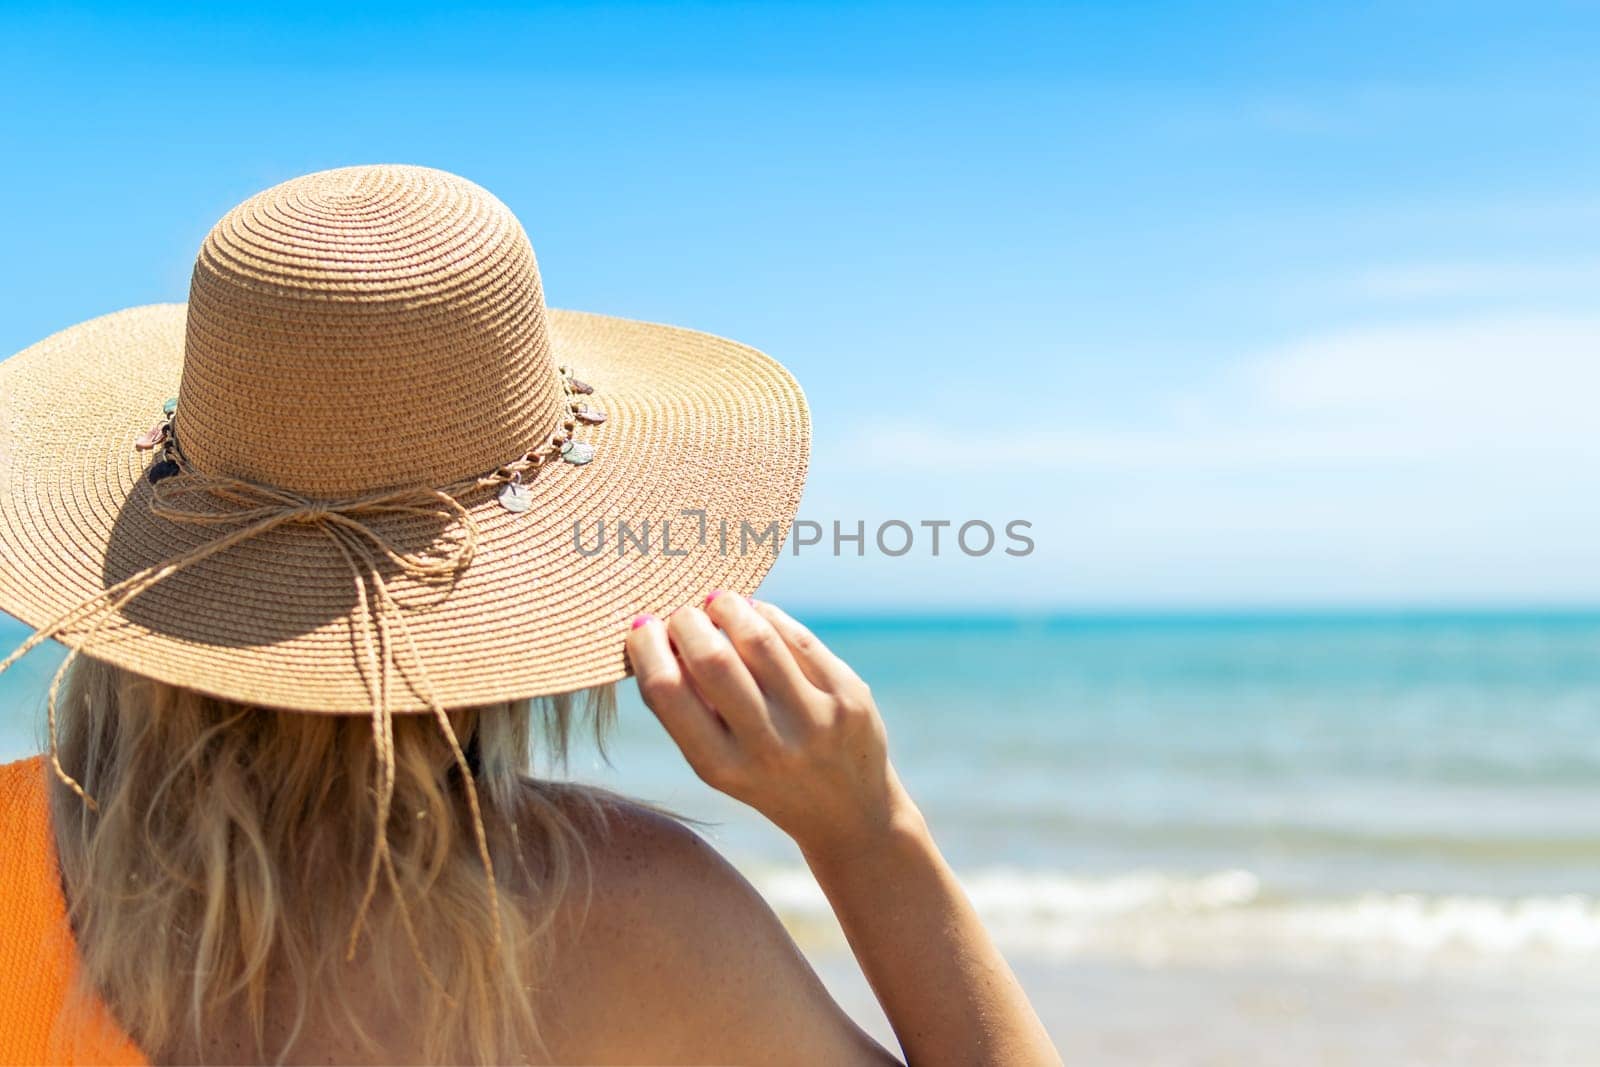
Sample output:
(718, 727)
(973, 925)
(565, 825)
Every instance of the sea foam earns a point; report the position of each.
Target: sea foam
(1230, 916)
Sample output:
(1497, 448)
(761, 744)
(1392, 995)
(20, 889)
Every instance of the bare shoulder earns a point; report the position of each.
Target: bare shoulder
(673, 957)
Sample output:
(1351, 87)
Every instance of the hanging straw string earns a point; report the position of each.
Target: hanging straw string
(198, 499)
(261, 509)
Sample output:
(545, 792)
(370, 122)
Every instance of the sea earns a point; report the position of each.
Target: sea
(1222, 838)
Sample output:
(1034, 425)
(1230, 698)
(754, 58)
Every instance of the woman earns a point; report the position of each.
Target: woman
(325, 605)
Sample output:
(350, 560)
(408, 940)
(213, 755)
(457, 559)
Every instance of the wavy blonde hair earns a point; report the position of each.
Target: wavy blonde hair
(221, 870)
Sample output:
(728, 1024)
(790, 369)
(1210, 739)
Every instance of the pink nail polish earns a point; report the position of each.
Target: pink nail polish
(640, 620)
(712, 596)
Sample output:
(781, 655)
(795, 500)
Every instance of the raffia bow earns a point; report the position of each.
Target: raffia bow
(250, 510)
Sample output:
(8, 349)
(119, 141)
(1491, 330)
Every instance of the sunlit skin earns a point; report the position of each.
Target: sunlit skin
(765, 713)
(672, 957)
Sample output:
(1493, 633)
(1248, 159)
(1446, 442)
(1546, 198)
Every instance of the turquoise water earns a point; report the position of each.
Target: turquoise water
(1426, 787)
(1445, 753)
(1420, 789)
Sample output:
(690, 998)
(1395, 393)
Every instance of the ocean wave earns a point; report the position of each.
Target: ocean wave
(1230, 916)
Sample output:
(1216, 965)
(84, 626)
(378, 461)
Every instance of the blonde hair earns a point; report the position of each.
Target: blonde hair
(223, 865)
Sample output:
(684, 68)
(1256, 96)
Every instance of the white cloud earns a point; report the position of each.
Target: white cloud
(1436, 392)
(1438, 462)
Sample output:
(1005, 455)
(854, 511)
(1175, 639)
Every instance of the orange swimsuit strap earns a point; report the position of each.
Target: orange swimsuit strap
(43, 1018)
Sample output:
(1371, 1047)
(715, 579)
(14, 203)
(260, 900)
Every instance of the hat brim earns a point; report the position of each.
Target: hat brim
(703, 433)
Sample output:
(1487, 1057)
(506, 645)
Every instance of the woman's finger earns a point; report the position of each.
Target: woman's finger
(763, 650)
(825, 670)
(720, 676)
(693, 727)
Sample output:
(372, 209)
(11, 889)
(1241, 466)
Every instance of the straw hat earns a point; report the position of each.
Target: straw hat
(377, 459)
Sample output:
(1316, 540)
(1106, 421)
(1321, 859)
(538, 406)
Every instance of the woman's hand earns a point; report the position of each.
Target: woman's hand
(766, 714)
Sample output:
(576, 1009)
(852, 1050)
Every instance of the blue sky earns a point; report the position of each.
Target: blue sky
(1239, 305)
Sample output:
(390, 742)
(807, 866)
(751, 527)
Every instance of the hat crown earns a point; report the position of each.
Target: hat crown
(366, 328)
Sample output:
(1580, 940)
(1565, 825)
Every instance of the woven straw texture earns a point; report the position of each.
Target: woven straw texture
(375, 328)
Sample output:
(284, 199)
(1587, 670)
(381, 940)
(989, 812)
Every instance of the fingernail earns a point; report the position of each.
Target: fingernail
(640, 620)
(712, 596)
(750, 600)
